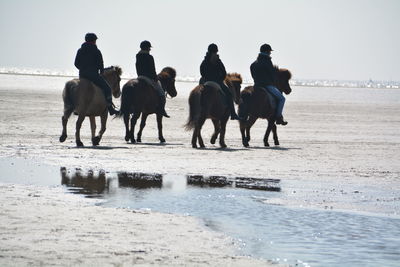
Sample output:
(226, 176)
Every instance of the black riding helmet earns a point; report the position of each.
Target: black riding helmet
(265, 48)
(145, 45)
(90, 37)
(213, 48)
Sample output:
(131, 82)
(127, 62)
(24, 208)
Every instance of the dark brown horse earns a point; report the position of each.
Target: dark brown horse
(208, 102)
(256, 103)
(140, 98)
(87, 100)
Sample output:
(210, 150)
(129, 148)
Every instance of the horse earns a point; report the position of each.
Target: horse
(140, 98)
(85, 99)
(256, 103)
(208, 102)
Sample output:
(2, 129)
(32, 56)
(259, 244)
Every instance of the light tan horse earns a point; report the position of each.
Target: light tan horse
(208, 102)
(87, 100)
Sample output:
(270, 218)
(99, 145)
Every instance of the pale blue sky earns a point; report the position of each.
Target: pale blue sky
(315, 39)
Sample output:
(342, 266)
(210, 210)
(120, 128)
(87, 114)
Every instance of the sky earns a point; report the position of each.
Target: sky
(314, 39)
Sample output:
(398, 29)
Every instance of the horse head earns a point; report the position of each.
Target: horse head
(282, 80)
(234, 82)
(113, 76)
(167, 79)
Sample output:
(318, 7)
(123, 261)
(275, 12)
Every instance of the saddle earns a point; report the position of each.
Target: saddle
(147, 80)
(215, 85)
(270, 98)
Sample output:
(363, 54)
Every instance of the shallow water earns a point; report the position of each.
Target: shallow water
(283, 233)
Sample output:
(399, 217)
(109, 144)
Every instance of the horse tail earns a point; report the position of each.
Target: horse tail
(68, 95)
(194, 109)
(245, 96)
(126, 99)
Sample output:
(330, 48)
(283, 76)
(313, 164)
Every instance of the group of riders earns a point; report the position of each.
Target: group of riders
(89, 61)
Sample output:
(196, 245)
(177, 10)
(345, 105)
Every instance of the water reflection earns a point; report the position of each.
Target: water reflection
(96, 183)
(87, 183)
(139, 180)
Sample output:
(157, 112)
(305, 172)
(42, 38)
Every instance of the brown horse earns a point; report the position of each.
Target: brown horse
(256, 103)
(86, 99)
(140, 98)
(208, 102)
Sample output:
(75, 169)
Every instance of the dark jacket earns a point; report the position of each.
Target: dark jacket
(263, 71)
(212, 69)
(145, 65)
(89, 60)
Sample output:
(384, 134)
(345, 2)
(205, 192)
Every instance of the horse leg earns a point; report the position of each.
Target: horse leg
(242, 132)
(142, 125)
(222, 134)
(217, 129)
(159, 125)
(93, 129)
(248, 126)
(268, 131)
(275, 134)
(103, 122)
(127, 132)
(194, 136)
(79, 121)
(134, 119)
(200, 138)
(64, 119)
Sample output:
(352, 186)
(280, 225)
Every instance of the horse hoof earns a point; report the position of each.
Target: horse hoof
(248, 138)
(63, 137)
(202, 146)
(133, 141)
(266, 144)
(277, 143)
(96, 141)
(162, 140)
(212, 141)
(194, 146)
(139, 140)
(79, 144)
(127, 138)
(223, 146)
(245, 144)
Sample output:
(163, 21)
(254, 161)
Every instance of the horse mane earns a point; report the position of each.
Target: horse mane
(234, 77)
(171, 72)
(117, 69)
(285, 73)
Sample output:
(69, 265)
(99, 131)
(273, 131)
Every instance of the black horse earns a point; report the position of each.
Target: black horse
(140, 98)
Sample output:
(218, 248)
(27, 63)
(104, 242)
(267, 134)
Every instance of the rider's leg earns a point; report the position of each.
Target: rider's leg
(229, 102)
(281, 102)
(106, 89)
(162, 100)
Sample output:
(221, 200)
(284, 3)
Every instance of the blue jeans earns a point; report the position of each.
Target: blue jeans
(279, 98)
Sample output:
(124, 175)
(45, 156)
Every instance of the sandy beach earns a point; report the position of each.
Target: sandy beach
(340, 150)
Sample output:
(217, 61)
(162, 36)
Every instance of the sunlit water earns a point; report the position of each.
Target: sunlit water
(297, 236)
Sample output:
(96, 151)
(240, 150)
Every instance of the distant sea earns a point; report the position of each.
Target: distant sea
(294, 82)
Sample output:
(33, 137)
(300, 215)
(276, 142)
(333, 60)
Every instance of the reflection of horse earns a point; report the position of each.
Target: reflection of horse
(87, 184)
(140, 98)
(208, 102)
(257, 104)
(86, 99)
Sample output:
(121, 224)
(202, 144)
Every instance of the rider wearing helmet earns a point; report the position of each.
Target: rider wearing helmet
(263, 73)
(212, 69)
(145, 67)
(89, 61)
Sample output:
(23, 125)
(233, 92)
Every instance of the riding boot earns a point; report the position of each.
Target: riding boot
(281, 121)
(234, 116)
(161, 107)
(111, 108)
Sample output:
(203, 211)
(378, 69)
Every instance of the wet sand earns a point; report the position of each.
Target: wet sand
(340, 150)
(44, 226)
